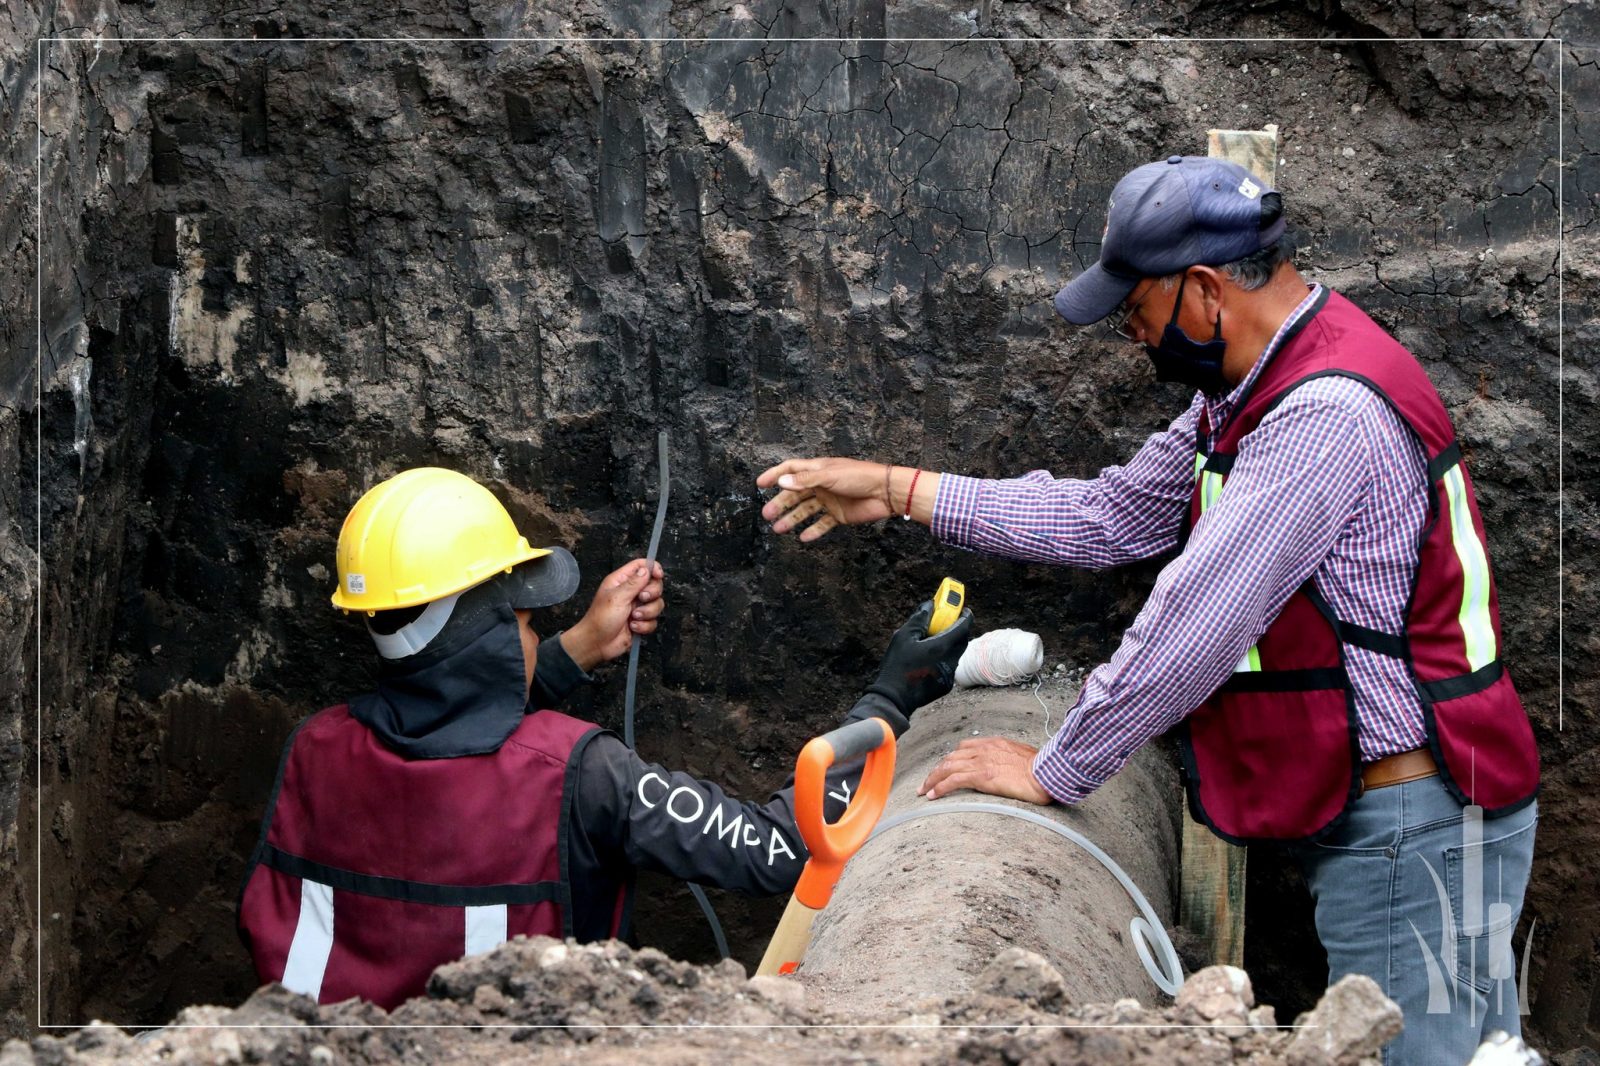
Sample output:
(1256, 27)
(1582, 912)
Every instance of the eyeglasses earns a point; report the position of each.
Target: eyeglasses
(1118, 322)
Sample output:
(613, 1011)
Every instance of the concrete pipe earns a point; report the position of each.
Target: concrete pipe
(925, 905)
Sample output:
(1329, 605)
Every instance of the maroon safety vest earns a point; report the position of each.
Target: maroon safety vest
(1273, 754)
(372, 869)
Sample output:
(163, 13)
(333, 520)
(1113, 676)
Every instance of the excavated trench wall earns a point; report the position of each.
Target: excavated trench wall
(275, 271)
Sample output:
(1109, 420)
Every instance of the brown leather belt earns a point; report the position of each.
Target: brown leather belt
(1398, 769)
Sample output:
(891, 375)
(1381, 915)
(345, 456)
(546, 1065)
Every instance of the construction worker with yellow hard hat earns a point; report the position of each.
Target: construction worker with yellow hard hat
(450, 809)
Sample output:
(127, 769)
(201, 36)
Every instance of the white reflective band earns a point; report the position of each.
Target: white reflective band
(416, 634)
(313, 940)
(486, 928)
(1476, 625)
(1210, 489)
(1251, 663)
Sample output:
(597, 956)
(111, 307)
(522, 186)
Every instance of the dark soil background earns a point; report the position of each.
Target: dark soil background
(277, 271)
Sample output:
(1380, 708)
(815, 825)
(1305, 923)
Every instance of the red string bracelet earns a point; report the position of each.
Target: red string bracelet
(911, 494)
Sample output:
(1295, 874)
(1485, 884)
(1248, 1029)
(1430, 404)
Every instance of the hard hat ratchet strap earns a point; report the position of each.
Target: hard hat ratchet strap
(418, 633)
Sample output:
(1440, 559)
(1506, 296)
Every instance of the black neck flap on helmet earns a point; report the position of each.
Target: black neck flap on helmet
(464, 692)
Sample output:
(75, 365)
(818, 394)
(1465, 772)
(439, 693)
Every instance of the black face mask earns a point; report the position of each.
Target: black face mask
(1179, 357)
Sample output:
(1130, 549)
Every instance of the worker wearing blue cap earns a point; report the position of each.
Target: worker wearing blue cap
(1325, 644)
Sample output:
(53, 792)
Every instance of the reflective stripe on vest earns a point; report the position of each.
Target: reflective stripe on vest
(485, 930)
(1276, 754)
(1477, 626)
(1210, 489)
(313, 940)
(373, 869)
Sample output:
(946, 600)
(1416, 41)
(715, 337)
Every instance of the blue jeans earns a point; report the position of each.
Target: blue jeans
(1418, 894)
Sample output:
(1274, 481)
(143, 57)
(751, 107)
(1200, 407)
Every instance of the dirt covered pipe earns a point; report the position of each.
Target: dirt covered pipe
(924, 907)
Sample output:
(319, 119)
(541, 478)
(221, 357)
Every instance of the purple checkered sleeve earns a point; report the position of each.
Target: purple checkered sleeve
(1127, 513)
(1266, 534)
(1328, 487)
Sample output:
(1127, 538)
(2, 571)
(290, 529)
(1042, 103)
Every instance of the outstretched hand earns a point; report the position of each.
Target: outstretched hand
(628, 603)
(842, 492)
(994, 765)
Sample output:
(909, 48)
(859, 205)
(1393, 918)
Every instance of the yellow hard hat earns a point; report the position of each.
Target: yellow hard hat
(422, 535)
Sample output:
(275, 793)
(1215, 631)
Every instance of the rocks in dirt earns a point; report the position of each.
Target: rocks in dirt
(1351, 1022)
(543, 981)
(544, 998)
(1219, 995)
(1020, 974)
(1125, 1010)
(271, 1005)
(96, 1042)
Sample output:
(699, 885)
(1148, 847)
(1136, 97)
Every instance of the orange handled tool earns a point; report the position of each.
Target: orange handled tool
(831, 845)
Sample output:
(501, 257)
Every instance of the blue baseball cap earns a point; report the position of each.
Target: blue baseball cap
(1190, 210)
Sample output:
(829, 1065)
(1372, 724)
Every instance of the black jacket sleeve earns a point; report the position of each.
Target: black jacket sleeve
(555, 675)
(630, 813)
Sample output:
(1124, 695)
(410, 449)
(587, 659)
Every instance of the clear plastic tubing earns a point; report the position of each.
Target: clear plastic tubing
(633, 675)
(1150, 940)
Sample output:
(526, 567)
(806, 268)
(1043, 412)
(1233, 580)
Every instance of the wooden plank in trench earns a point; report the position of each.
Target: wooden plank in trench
(1211, 899)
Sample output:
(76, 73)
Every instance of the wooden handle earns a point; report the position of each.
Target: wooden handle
(1212, 878)
(790, 941)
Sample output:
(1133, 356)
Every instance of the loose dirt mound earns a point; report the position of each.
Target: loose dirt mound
(610, 1004)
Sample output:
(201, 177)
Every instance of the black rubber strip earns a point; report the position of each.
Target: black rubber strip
(631, 687)
(1453, 688)
(1313, 680)
(1373, 640)
(411, 891)
(1440, 464)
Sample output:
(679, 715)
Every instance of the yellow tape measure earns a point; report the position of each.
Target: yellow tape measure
(947, 604)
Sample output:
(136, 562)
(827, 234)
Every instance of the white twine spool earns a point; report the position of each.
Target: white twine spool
(1000, 657)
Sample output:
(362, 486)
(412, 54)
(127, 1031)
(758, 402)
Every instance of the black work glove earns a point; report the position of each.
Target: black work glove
(918, 669)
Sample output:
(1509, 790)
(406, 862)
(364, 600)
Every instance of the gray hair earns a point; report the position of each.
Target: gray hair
(1255, 269)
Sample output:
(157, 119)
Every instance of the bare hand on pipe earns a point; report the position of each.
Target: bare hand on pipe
(995, 765)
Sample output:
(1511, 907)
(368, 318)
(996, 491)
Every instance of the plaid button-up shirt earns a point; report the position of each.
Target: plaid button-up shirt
(1330, 487)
